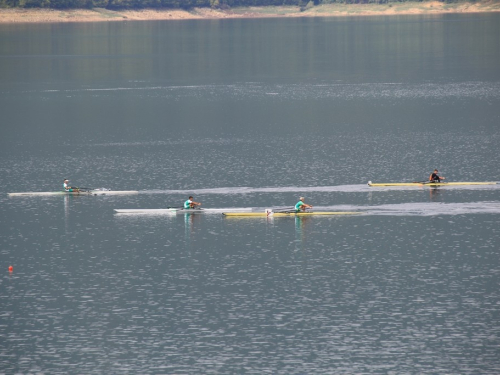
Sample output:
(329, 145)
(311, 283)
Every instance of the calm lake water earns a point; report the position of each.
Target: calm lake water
(251, 113)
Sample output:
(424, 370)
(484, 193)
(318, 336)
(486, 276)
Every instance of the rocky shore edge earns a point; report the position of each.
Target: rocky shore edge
(30, 15)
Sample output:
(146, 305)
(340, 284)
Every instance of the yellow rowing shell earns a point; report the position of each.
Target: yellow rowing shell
(430, 183)
(284, 214)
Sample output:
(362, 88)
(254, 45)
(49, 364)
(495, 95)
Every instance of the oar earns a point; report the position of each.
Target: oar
(187, 209)
(75, 189)
(432, 182)
(283, 209)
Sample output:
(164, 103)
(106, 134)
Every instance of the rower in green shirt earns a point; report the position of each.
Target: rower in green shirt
(190, 204)
(301, 206)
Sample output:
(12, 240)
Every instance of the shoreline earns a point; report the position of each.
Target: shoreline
(39, 15)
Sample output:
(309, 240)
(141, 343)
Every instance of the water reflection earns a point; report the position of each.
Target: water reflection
(434, 193)
(300, 228)
(66, 212)
(189, 225)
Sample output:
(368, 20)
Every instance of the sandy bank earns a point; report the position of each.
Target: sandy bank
(331, 10)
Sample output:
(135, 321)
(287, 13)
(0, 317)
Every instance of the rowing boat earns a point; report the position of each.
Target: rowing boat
(285, 214)
(161, 211)
(430, 183)
(84, 192)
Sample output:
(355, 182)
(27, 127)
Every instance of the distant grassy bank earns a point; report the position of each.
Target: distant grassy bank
(41, 15)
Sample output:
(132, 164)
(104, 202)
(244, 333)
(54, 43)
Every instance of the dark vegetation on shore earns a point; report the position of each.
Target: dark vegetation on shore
(179, 4)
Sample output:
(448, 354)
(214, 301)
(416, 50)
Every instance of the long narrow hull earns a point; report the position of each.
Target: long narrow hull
(89, 192)
(146, 211)
(287, 214)
(430, 183)
(162, 211)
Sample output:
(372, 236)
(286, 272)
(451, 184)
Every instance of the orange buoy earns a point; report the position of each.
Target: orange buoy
(11, 268)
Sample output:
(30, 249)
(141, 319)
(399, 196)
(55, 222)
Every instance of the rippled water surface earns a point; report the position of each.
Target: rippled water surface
(251, 113)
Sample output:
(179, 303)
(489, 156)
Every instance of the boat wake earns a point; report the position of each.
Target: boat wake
(300, 91)
(360, 188)
(421, 209)
(402, 209)
(251, 190)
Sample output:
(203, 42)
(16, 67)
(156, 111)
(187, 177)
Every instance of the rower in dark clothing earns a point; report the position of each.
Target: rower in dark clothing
(434, 177)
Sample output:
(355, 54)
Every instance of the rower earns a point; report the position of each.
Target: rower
(69, 188)
(190, 204)
(434, 177)
(301, 206)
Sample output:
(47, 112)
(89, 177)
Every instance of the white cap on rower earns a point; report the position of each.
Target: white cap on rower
(301, 198)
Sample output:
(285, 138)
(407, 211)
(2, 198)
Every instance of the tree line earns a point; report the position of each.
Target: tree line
(138, 4)
(181, 4)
